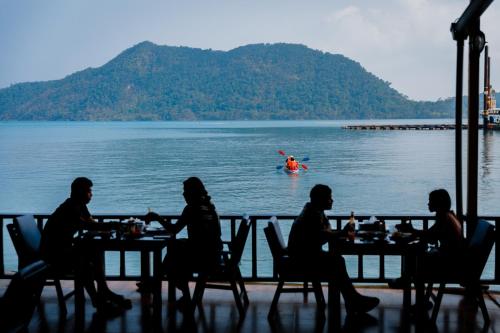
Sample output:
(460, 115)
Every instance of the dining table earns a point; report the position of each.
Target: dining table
(142, 242)
(380, 244)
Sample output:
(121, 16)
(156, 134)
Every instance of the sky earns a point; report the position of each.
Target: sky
(405, 42)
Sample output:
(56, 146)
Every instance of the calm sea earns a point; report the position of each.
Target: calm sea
(136, 165)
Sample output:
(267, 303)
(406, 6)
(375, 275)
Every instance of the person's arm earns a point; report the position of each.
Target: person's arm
(430, 235)
(166, 223)
(87, 222)
(328, 234)
(152, 216)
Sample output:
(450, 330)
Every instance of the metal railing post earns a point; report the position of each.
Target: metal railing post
(2, 265)
(254, 247)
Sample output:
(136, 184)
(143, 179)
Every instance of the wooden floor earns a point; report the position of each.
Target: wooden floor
(220, 314)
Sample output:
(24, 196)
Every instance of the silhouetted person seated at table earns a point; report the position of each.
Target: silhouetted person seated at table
(446, 232)
(58, 249)
(202, 250)
(310, 231)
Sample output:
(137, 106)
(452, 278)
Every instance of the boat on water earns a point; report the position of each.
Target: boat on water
(290, 171)
(491, 114)
(292, 166)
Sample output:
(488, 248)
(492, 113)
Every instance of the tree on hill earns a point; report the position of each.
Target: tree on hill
(260, 81)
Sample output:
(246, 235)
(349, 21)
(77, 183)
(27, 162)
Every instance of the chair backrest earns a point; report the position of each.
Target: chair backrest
(479, 248)
(22, 296)
(26, 238)
(238, 245)
(275, 239)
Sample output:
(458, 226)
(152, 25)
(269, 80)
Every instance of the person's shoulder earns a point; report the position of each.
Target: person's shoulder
(450, 216)
(309, 214)
(65, 205)
(303, 213)
(190, 210)
(311, 211)
(187, 209)
(453, 218)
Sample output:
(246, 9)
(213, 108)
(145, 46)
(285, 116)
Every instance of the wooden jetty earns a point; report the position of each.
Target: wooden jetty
(419, 127)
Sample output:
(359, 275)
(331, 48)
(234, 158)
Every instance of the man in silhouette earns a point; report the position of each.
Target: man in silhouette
(58, 249)
(310, 231)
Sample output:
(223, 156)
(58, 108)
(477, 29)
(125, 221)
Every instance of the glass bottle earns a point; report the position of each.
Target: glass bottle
(352, 227)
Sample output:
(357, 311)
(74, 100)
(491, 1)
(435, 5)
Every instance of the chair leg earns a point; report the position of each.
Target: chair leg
(437, 302)
(199, 290)
(60, 297)
(237, 299)
(276, 298)
(306, 292)
(318, 293)
(428, 292)
(242, 287)
(482, 305)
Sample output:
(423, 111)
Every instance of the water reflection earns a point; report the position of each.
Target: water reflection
(294, 182)
(486, 156)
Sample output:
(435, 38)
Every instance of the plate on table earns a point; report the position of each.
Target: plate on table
(398, 236)
(370, 234)
(151, 230)
(98, 233)
(134, 235)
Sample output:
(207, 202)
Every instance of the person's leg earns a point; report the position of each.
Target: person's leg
(177, 266)
(354, 301)
(104, 293)
(408, 271)
(339, 272)
(67, 263)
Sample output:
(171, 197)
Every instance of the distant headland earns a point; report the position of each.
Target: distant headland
(254, 82)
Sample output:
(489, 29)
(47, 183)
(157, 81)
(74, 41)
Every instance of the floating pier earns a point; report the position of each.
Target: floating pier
(422, 127)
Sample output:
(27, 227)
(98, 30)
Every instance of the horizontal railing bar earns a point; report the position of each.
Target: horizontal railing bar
(258, 222)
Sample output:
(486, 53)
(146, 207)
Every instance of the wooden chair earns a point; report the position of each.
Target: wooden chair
(477, 253)
(21, 297)
(227, 276)
(26, 239)
(289, 271)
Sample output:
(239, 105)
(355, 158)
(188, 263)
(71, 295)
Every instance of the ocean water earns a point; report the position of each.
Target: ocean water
(136, 165)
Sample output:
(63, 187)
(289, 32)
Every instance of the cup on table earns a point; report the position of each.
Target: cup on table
(135, 227)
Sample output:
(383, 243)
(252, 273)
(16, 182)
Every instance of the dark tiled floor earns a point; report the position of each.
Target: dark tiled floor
(220, 314)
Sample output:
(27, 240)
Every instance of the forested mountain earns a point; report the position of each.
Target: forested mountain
(261, 81)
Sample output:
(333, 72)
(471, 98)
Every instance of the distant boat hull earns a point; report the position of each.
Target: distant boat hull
(491, 119)
(491, 114)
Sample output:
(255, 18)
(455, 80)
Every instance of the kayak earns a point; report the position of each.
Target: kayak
(290, 171)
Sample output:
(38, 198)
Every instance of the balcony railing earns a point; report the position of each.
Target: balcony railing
(256, 263)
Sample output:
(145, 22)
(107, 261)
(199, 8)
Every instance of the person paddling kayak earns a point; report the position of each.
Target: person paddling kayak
(291, 164)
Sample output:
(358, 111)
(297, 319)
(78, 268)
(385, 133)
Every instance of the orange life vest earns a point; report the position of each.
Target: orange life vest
(292, 165)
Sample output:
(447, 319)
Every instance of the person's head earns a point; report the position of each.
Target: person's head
(194, 190)
(81, 189)
(292, 158)
(321, 197)
(439, 201)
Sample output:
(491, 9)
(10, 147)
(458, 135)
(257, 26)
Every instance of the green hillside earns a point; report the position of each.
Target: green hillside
(262, 81)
